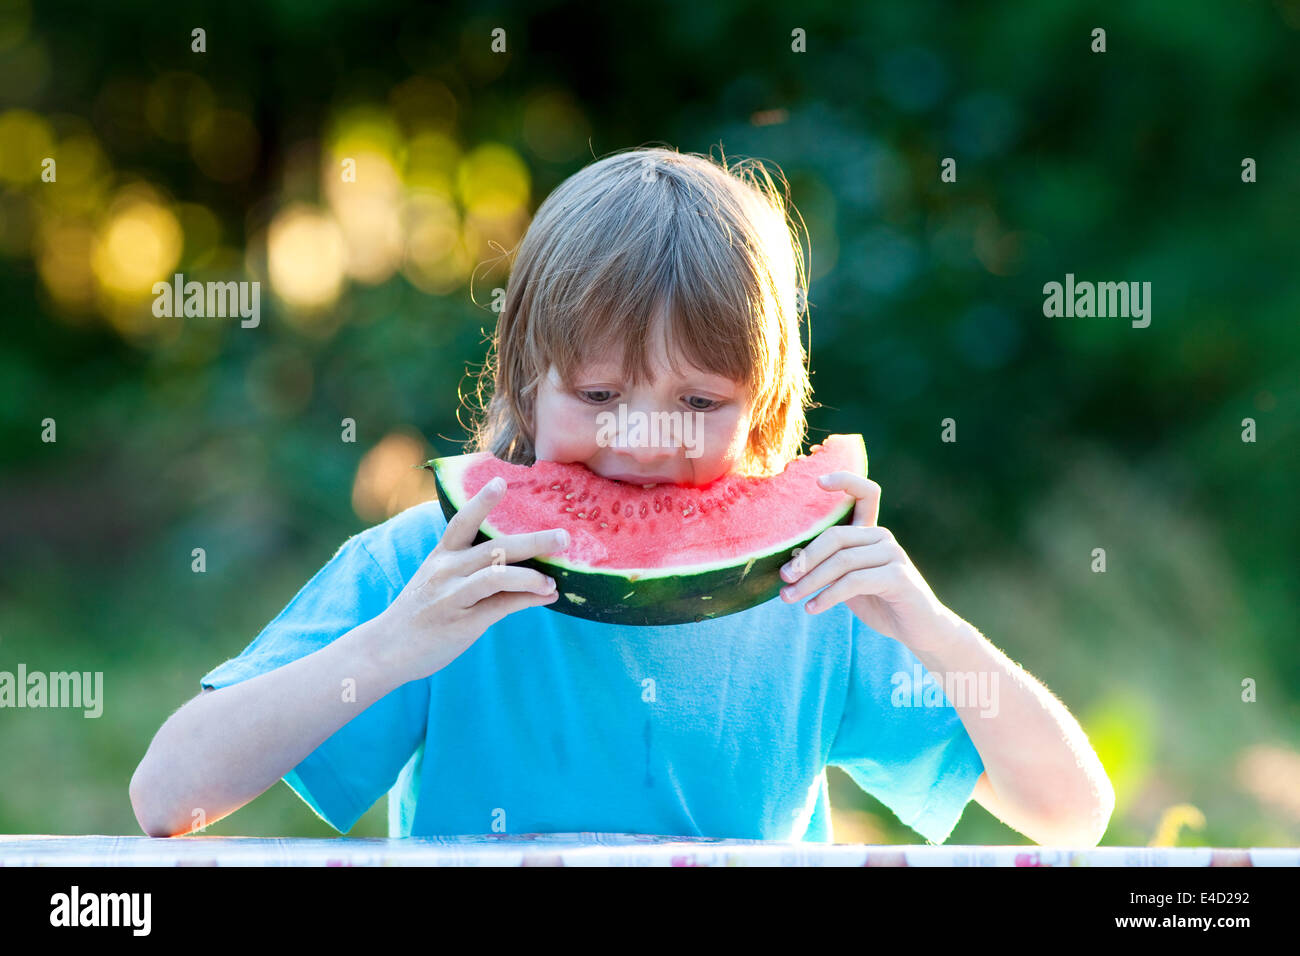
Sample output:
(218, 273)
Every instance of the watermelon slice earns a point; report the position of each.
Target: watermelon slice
(663, 554)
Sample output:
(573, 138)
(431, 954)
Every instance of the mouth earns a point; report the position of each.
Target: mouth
(645, 481)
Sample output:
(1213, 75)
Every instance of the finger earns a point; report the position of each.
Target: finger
(867, 511)
(465, 523)
(825, 545)
(514, 547)
(501, 577)
(497, 606)
(875, 580)
(841, 563)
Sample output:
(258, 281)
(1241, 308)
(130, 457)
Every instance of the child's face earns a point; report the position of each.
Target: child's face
(704, 441)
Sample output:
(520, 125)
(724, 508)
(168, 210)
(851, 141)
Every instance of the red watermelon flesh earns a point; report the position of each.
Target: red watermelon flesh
(616, 525)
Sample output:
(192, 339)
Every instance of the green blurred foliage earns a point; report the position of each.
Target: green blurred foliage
(926, 304)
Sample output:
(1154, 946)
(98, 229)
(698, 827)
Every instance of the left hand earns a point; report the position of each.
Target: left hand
(862, 565)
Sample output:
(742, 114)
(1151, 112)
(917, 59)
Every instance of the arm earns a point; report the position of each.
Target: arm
(1041, 776)
(224, 748)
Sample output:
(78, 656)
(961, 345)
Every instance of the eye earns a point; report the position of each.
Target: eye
(597, 400)
(712, 404)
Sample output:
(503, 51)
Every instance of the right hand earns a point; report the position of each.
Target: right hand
(462, 589)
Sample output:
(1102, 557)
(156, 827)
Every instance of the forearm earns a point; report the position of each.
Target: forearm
(1045, 774)
(224, 748)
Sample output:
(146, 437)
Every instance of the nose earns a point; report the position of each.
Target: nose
(649, 460)
(650, 439)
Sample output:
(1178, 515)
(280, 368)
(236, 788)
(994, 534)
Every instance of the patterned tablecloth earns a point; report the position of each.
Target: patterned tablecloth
(584, 849)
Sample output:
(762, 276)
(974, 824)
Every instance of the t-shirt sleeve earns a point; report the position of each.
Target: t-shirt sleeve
(343, 777)
(916, 759)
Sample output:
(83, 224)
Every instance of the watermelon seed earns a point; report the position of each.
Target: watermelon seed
(568, 496)
(582, 514)
(644, 510)
(595, 512)
(604, 525)
(569, 508)
(555, 487)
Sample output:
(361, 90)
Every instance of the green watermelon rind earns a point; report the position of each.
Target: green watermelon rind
(685, 594)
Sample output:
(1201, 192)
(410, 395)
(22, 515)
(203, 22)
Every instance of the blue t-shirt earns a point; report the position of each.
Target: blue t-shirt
(552, 723)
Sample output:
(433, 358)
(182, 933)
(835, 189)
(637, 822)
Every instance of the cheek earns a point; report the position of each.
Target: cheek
(564, 433)
(724, 438)
(737, 437)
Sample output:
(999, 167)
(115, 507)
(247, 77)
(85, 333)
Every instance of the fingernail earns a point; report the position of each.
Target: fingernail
(562, 538)
(496, 484)
(822, 479)
(550, 582)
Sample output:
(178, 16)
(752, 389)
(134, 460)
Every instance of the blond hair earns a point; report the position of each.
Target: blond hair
(646, 234)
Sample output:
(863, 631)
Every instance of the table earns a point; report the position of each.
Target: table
(586, 849)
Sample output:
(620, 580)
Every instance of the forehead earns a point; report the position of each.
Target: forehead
(606, 361)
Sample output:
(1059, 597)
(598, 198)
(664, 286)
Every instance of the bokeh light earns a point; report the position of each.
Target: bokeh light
(493, 182)
(202, 231)
(17, 222)
(27, 139)
(1271, 774)
(363, 129)
(432, 159)
(368, 211)
(388, 479)
(84, 177)
(63, 261)
(420, 102)
(436, 259)
(306, 256)
(225, 145)
(138, 244)
(175, 103)
(554, 127)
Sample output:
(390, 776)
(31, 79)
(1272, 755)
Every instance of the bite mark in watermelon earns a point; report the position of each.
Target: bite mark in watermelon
(664, 554)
